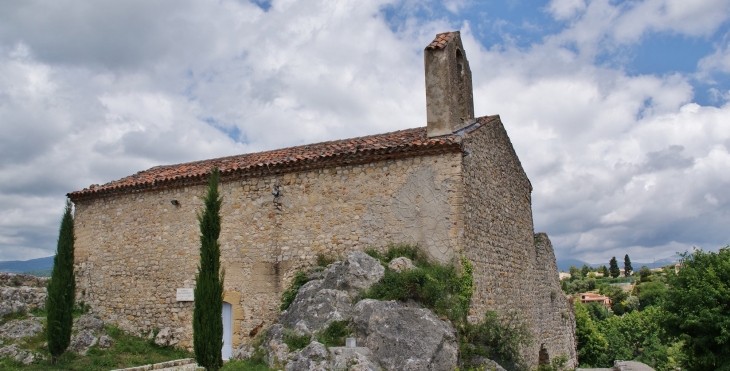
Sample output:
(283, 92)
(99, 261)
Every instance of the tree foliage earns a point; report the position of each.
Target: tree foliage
(628, 269)
(591, 344)
(207, 320)
(697, 309)
(61, 289)
(613, 268)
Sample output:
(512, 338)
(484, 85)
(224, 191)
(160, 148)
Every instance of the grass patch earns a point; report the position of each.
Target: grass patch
(13, 316)
(300, 278)
(39, 312)
(335, 333)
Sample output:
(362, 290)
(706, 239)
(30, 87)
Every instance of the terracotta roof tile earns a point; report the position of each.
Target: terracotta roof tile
(356, 150)
(441, 39)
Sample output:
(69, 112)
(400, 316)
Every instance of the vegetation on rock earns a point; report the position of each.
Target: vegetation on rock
(300, 278)
(208, 293)
(61, 289)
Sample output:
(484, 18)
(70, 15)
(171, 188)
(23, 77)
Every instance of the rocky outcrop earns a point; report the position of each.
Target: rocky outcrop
(88, 331)
(391, 335)
(168, 337)
(18, 329)
(405, 338)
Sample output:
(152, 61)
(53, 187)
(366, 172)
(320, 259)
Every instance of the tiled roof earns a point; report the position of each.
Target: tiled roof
(402, 143)
(441, 39)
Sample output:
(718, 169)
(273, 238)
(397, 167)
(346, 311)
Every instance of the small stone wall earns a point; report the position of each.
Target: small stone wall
(17, 280)
(21, 299)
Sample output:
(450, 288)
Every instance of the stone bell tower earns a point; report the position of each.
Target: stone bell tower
(449, 96)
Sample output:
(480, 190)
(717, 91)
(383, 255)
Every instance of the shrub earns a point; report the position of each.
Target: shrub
(324, 261)
(499, 339)
(294, 341)
(335, 333)
(435, 286)
(300, 278)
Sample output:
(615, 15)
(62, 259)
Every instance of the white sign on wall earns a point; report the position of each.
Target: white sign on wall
(184, 294)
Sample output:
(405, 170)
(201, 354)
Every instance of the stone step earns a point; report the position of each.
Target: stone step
(185, 364)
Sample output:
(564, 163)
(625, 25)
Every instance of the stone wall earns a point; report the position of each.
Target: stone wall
(555, 315)
(17, 280)
(134, 250)
(499, 239)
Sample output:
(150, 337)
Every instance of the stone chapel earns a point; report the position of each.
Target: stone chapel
(454, 187)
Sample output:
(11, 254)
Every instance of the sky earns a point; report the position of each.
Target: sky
(618, 110)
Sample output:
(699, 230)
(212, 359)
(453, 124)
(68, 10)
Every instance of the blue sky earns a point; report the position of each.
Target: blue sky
(618, 110)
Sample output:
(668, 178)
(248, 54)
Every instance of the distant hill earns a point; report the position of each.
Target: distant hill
(40, 267)
(564, 264)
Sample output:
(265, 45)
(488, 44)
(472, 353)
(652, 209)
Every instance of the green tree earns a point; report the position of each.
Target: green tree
(604, 270)
(651, 293)
(613, 268)
(628, 269)
(208, 293)
(697, 308)
(635, 336)
(585, 270)
(591, 344)
(575, 273)
(645, 274)
(61, 289)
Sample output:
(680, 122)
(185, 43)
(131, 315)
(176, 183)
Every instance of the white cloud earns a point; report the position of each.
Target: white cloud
(617, 161)
(566, 9)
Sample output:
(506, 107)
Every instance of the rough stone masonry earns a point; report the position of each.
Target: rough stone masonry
(455, 187)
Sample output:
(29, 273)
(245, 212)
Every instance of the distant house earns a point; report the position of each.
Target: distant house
(588, 297)
(563, 275)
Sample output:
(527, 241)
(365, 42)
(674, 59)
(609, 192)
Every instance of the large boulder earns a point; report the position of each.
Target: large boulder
(328, 299)
(88, 322)
(314, 308)
(82, 341)
(88, 329)
(405, 338)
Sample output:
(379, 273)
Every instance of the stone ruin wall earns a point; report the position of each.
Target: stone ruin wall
(134, 250)
(555, 314)
(21, 292)
(500, 243)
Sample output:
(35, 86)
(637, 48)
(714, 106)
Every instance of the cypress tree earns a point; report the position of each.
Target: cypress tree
(628, 269)
(208, 293)
(613, 268)
(61, 289)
